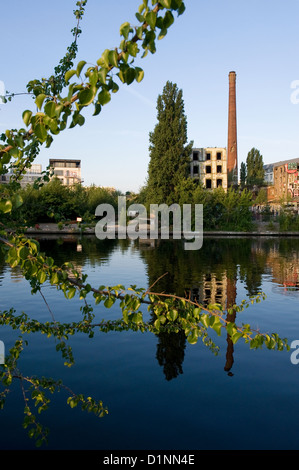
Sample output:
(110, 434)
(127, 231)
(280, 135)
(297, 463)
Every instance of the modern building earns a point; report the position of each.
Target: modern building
(209, 166)
(66, 170)
(32, 174)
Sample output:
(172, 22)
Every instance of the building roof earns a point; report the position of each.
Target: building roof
(65, 160)
(284, 162)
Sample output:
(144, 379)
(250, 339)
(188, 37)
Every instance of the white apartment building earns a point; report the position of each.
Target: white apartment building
(66, 170)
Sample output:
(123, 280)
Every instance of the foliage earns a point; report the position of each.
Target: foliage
(225, 210)
(55, 202)
(169, 154)
(255, 168)
(288, 220)
(61, 103)
(243, 174)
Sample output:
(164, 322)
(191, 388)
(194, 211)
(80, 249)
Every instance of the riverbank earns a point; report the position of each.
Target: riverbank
(55, 229)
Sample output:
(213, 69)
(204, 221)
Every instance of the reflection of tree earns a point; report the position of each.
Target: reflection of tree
(92, 251)
(170, 353)
(209, 276)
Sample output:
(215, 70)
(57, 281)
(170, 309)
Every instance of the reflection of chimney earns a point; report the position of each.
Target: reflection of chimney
(232, 155)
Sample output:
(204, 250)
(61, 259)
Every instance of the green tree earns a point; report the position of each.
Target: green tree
(255, 168)
(243, 174)
(169, 154)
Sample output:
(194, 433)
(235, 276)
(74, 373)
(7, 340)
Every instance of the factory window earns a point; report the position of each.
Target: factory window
(219, 155)
(208, 184)
(195, 170)
(195, 156)
(219, 169)
(208, 169)
(219, 183)
(208, 156)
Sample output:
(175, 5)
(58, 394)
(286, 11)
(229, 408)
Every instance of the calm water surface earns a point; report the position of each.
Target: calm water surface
(161, 392)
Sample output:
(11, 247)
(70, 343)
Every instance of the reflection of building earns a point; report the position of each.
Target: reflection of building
(32, 173)
(209, 166)
(285, 271)
(67, 171)
(215, 289)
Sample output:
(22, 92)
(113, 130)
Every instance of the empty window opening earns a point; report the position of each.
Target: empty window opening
(219, 183)
(219, 169)
(195, 170)
(208, 169)
(208, 156)
(208, 184)
(195, 156)
(219, 155)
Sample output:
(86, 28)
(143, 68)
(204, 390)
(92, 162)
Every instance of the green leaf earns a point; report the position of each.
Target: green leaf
(125, 29)
(5, 206)
(151, 18)
(168, 19)
(39, 100)
(50, 109)
(23, 252)
(40, 132)
(109, 302)
(68, 75)
(86, 96)
(42, 277)
(102, 74)
(165, 3)
(104, 97)
(71, 293)
(80, 67)
(140, 17)
(104, 60)
(27, 117)
(133, 49)
(139, 74)
(193, 336)
(235, 337)
(113, 58)
(205, 320)
(217, 325)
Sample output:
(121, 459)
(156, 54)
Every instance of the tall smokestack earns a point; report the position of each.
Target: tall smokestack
(232, 154)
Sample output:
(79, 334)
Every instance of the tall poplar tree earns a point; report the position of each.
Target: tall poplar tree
(169, 152)
(243, 174)
(255, 168)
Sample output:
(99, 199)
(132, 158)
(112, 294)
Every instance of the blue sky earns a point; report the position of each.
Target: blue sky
(257, 39)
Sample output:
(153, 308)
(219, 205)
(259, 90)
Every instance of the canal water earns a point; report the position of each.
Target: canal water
(161, 392)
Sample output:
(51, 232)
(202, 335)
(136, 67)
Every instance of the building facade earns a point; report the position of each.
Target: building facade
(209, 166)
(285, 179)
(67, 171)
(32, 174)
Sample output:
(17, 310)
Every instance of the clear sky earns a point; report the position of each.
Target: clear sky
(258, 39)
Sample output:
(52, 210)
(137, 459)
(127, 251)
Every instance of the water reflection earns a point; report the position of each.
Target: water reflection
(209, 275)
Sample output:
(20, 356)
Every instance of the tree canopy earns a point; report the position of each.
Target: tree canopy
(255, 168)
(169, 154)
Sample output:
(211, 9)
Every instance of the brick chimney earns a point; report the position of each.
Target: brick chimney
(232, 154)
